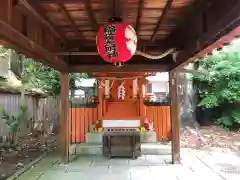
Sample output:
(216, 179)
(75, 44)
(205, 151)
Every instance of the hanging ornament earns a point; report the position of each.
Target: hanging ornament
(116, 42)
(121, 91)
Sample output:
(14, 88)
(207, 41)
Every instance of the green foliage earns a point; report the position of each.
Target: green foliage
(208, 101)
(229, 118)
(223, 82)
(36, 75)
(221, 88)
(14, 122)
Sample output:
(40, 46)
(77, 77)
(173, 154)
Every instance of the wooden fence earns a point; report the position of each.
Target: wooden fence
(81, 120)
(42, 113)
(160, 115)
(47, 115)
(82, 117)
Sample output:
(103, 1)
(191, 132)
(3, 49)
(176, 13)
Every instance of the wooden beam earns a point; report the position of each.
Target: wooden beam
(14, 39)
(218, 31)
(64, 119)
(114, 9)
(91, 45)
(165, 10)
(135, 60)
(126, 68)
(82, 45)
(192, 71)
(178, 36)
(91, 16)
(175, 116)
(69, 18)
(62, 1)
(141, 110)
(9, 10)
(140, 7)
(36, 10)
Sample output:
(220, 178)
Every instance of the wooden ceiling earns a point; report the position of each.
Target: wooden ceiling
(41, 29)
(79, 20)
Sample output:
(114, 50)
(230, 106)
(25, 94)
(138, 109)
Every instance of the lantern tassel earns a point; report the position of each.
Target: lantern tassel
(118, 64)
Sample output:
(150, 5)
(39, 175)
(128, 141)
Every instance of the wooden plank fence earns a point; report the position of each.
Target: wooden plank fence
(81, 119)
(160, 115)
(42, 113)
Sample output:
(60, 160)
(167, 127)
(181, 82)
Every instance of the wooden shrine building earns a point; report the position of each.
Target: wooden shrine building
(62, 34)
(109, 104)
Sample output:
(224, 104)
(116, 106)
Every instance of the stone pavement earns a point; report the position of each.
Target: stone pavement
(194, 165)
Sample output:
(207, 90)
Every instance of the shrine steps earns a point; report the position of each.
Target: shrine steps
(96, 149)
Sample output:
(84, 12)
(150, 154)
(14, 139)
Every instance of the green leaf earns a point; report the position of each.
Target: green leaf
(48, 79)
(226, 121)
(236, 116)
(221, 87)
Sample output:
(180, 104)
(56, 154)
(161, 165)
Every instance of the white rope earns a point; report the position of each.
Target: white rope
(117, 78)
(146, 55)
(151, 56)
(4, 54)
(175, 54)
(102, 85)
(111, 85)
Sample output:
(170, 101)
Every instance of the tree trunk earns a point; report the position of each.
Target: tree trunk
(72, 93)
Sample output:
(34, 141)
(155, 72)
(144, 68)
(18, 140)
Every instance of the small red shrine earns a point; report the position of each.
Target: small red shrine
(121, 102)
(121, 96)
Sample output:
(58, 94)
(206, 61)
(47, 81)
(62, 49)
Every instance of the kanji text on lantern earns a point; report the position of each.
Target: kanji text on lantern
(109, 41)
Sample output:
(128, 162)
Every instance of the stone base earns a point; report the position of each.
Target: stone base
(94, 138)
(89, 149)
(148, 137)
(72, 149)
(97, 137)
(146, 149)
(93, 145)
(72, 152)
(156, 149)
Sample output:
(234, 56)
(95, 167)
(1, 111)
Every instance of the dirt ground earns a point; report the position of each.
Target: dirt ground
(210, 137)
(13, 159)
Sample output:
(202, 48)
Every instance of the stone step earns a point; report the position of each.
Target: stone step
(89, 149)
(96, 137)
(156, 149)
(146, 148)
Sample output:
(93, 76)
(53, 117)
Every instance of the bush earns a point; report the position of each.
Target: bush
(221, 87)
(14, 122)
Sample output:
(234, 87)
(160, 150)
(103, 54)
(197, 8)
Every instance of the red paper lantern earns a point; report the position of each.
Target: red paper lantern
(116, 42)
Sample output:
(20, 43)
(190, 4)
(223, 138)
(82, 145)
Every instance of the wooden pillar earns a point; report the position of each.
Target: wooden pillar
(175, 116)
(100, 99)
(107, 88)
(141, 100)
(64, 120)
(135, 87)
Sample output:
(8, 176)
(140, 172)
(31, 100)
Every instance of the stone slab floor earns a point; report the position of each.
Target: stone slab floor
(196, 165)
